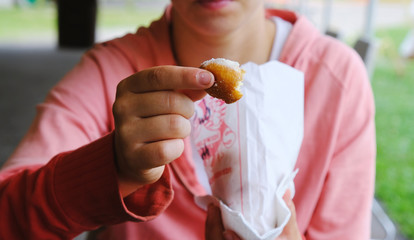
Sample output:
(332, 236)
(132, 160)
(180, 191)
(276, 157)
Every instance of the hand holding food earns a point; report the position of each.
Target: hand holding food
(152, 111)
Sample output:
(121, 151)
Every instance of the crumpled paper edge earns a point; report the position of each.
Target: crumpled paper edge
(232, 220)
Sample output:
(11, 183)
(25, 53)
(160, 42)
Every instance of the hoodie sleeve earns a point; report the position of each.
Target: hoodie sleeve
(61, 180)
(76, 191)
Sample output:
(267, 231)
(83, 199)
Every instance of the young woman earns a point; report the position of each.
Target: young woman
(108, 148)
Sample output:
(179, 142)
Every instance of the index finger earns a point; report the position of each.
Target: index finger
(169, 78)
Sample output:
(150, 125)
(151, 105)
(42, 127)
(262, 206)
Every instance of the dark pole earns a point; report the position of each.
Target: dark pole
(76, 23)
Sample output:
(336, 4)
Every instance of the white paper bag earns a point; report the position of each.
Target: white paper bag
(249, 149)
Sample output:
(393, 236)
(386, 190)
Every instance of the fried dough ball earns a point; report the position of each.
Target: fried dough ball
(228, 79)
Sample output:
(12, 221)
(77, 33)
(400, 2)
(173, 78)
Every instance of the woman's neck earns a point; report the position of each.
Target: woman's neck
(251, 42)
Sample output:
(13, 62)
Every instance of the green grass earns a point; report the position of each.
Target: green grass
(38, 21)
(126, 17)
(393, 85)
(17, 23)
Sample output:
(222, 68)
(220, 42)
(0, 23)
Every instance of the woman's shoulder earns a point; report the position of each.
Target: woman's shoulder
(310, 50)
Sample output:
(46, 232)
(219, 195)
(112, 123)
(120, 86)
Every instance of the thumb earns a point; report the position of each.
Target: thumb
(291, 230)
(288, 200)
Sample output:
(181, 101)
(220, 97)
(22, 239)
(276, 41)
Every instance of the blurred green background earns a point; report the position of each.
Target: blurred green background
(393, 86)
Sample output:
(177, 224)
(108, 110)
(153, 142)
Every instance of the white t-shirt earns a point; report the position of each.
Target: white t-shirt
(283, 29)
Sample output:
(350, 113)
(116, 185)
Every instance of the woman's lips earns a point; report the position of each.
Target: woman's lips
(214, 4)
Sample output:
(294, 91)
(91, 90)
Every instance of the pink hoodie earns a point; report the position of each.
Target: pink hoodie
(51, 191)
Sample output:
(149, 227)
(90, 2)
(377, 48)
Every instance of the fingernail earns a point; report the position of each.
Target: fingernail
(204, 77)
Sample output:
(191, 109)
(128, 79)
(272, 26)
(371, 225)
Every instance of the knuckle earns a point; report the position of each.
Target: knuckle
(155, 77)
(167, 151)
(172, 150)
(119, 107)
(178, 125)
(190, 110)
(186, 128)
(174, 123)
(162, 153)
(120, 88)
(123, 130)
(171, 101)
(176, 103)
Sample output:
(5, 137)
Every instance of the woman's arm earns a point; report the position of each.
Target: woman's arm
(48, 189)
(344, 207)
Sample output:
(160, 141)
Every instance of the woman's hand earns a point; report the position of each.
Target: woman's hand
(152, 111)
(291, 230)
(215, 230)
